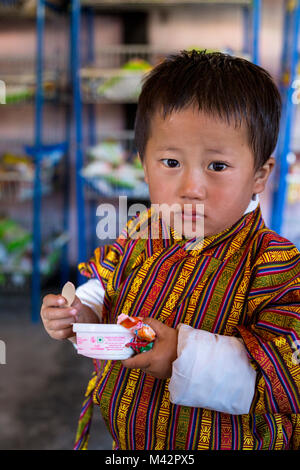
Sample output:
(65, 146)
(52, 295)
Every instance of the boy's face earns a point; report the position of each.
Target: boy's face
(193, 158)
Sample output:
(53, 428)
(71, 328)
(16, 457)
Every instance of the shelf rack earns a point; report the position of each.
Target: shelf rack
(40, 149)
(135, 4)
(290, 63)
(251, 27)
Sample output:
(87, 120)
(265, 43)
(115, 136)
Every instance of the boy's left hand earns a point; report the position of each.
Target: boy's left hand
(158, 361)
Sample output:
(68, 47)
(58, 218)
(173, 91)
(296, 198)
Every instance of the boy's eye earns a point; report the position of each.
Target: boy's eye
(217, 166)
(170, 162)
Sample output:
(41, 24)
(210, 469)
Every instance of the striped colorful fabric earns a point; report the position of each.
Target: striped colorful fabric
(242, 282)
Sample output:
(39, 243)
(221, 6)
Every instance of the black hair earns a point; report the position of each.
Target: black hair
(231, 88)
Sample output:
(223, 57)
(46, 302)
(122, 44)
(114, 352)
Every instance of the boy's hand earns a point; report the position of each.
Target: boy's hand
(158, 361)
(58, 318)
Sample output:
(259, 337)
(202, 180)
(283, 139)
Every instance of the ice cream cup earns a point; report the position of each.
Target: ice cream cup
(99, 341)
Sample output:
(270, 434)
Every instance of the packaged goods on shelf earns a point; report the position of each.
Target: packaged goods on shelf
(109, 171)
(17, 177)
(26, 8)
(122, 84)
(108, 151)
(16, 253)
(18, 93)
(118, 71)
(127, 83)
(17, 174)
(19, 76)
(293, 180)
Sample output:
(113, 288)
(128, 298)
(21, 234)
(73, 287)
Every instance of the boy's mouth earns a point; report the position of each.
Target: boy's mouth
(192, 214)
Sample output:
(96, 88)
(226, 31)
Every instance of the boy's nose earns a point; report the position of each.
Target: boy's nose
(192, 188)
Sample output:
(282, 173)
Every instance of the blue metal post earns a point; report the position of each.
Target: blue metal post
(279, 196)
(256, 14)
(36, 278)
(77, 109)
(92, 139)
(65, 267)
(65, 270)
(285, 64)
(246, 29)
(286, 44)
(91, 58)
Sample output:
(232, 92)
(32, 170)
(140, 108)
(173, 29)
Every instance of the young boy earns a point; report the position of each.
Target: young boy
(223, 372)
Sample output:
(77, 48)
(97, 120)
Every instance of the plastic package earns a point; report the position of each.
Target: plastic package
(144, 335)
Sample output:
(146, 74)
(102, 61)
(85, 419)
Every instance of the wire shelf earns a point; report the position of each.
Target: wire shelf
(17, 7)
(116, 74)
(15, 188)
(28, 8)
(19, 77)
(102, 4)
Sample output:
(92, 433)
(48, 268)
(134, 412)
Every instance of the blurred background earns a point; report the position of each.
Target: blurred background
(70, 76)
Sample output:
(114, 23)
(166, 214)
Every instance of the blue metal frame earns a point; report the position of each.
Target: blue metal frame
(65, 267)
(290, 56)
(246, 29)
(256, 14)
(92, 138)
(36, 280)
(89, 17)
(38, 151)
(77, 108)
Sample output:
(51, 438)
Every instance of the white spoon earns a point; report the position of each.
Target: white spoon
(68, 292)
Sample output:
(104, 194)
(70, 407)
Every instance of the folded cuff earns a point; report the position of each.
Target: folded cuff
(212, 371)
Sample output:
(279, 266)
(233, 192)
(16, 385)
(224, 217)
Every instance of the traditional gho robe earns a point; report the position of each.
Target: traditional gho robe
(243, 282)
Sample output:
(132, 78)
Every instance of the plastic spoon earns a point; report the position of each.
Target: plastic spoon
(68, 292)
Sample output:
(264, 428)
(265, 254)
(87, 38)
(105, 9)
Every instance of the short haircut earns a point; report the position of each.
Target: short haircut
(221, 85)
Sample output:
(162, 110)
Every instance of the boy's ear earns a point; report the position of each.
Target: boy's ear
(262, 175)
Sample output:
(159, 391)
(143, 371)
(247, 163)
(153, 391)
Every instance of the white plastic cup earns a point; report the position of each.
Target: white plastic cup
(99, 341)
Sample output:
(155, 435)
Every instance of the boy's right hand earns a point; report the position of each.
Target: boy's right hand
(58, 318)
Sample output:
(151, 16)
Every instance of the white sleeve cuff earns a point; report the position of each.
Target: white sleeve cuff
(91, 293)
(212, 371)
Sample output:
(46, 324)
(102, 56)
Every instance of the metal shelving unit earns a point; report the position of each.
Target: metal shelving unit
(82, 13)
(39, 150)
(290, 71)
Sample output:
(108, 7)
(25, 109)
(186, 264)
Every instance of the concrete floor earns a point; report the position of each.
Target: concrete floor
(42, 385)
